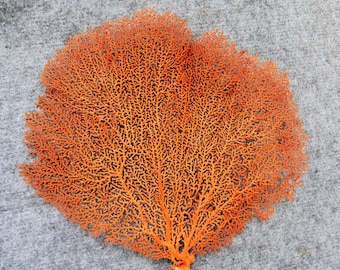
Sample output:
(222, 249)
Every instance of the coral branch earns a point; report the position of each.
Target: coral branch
(163, 142)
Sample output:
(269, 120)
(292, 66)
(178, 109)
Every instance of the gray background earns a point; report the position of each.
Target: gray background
(301, 36)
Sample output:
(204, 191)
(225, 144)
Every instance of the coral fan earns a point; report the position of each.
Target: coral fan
(163, 142)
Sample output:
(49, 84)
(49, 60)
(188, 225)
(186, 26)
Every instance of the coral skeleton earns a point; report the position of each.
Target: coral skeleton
(161, 141)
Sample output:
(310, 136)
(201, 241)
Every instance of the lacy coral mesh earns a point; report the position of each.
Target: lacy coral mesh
(165, 143)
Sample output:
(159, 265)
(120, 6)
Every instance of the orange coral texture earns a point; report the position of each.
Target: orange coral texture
(163, 142)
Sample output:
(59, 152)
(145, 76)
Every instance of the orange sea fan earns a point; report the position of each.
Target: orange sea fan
(163, 142)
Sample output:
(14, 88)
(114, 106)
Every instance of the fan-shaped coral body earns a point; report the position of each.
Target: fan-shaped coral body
(165, 143)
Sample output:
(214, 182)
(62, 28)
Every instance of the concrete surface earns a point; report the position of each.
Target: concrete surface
(301, 36)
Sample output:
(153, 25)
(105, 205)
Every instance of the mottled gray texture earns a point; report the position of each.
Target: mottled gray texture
(301, 36)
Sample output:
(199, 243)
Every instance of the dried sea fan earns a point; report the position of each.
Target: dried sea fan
(165, 143)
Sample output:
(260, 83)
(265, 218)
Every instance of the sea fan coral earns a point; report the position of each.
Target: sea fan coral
(163, 142)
